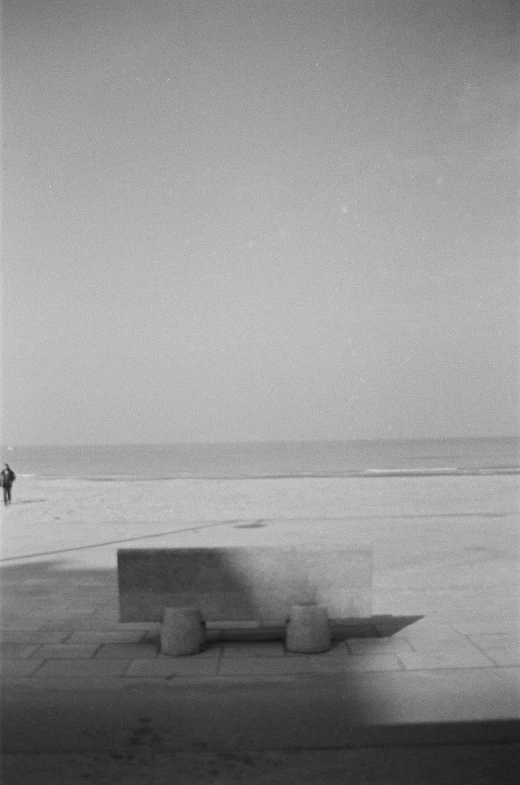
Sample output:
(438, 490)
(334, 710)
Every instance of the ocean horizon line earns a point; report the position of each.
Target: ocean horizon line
(371, 440)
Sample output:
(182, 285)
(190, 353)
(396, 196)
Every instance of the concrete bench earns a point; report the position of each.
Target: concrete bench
(253, 584)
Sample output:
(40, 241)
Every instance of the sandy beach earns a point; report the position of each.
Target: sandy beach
(445, 547)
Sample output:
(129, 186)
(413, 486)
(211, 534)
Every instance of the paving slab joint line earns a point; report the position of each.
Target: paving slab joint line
(491, 665)
(38, 667)
(484, 652)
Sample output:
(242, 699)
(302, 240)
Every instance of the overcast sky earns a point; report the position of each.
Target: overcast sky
(242, 220)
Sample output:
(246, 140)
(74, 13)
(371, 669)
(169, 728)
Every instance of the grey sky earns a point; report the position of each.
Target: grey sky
(236, 219)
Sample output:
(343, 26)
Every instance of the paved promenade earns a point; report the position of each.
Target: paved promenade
(437, 664)
(57, 651)
(103, 700)
(422, 674)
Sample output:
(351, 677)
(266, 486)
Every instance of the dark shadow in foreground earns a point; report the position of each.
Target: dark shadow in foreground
(139, 721)
(288, 710)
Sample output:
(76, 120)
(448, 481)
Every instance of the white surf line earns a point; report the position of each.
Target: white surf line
(405, 472)
(440, 471)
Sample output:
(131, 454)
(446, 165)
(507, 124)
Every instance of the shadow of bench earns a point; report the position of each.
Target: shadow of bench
(246, 593)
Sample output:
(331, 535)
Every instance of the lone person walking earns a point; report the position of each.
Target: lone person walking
(8, 477)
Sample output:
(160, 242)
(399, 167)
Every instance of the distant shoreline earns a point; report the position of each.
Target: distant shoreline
(270, 461)
(361, 474)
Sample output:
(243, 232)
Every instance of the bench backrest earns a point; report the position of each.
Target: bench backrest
(244, 583)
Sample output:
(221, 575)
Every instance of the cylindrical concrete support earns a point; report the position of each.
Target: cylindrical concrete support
(182, 631)
(308, 629)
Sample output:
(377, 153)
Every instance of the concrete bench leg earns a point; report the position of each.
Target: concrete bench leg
(308, 629)
(182, 632)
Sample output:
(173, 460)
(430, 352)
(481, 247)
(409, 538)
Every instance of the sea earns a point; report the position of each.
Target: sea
(267, 459)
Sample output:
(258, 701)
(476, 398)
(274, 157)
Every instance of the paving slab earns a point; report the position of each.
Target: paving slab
(66, 651)
(356, 663)
(213, 650)
(491, 626)
(337, 650)
(445, 659)
(442, 645)
(253, 649)
(85, 668)
(172, 666)
(503, 650)
(378, 646)
(126, 651)
(11, 669)
(17, 651)
(443, 695)
(232, 666)
(105, 636)
(428, 630)
(504, 658)
(32, 636)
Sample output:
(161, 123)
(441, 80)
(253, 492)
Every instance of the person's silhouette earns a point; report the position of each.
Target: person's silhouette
(8, 477)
